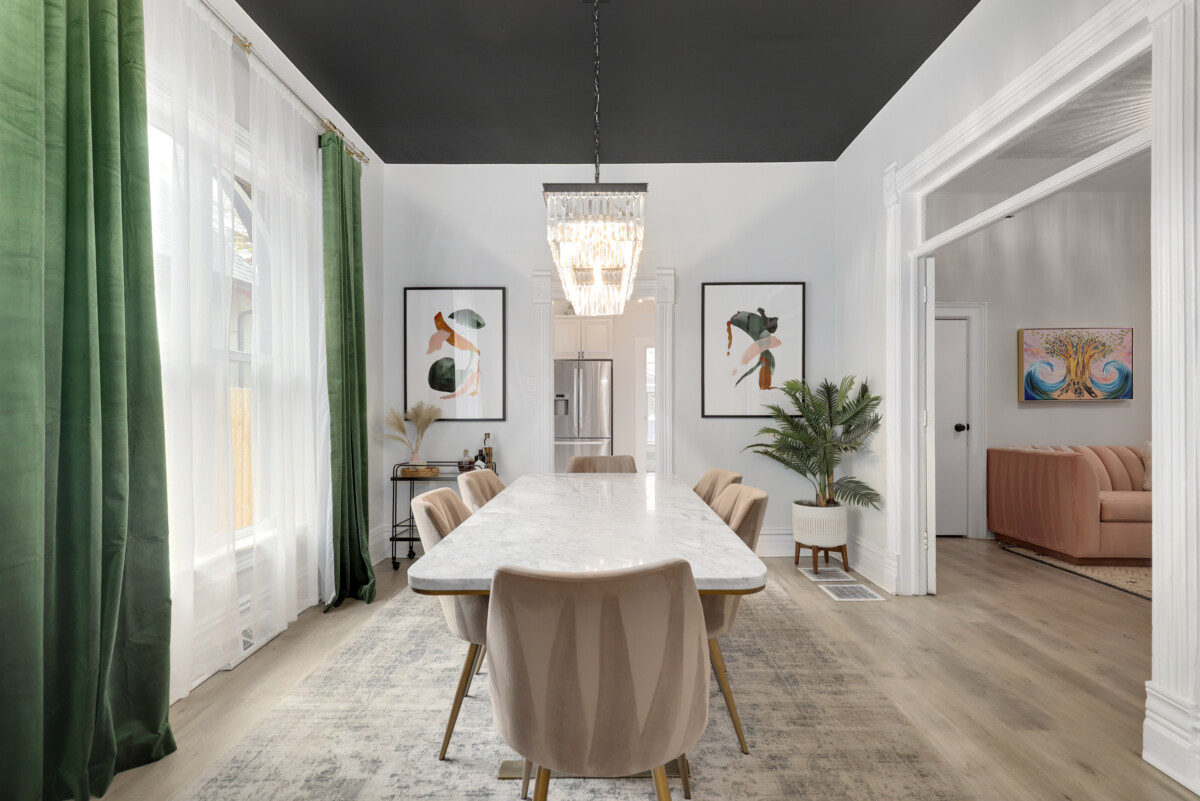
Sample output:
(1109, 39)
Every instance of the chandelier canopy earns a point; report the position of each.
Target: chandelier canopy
(595, 230)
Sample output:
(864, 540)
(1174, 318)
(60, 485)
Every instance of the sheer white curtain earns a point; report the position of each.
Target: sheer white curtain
(236, 189)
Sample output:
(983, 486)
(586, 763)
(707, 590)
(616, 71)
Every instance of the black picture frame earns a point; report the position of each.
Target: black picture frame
(704, 328)
(503, 355)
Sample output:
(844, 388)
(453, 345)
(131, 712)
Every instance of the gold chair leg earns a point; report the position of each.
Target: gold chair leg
(718, 662)
(542, 787)
(525, 773)
(685, 773)
(477, 668)
(661, 790)
(463, 682)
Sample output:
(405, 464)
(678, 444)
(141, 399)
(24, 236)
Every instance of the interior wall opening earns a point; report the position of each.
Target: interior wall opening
(1013, 302)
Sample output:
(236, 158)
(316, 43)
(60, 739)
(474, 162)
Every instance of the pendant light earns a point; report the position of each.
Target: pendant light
(595, 230)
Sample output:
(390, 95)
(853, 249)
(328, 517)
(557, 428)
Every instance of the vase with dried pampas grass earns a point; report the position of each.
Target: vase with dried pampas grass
(422, 415)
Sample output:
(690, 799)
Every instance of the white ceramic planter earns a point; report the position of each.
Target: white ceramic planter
(819, 527)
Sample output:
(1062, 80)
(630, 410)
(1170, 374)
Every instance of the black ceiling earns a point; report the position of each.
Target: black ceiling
(509, 81)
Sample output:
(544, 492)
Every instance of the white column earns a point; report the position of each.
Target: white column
(543, 314)
(1171, 733)
(664, 376)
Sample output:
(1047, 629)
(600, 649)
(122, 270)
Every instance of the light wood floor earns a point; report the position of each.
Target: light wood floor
(1028, 680)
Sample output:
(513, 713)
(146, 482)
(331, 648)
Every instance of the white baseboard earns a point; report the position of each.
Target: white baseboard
(1171, 737)
(879, 566)
(776, 542)
(379, 543)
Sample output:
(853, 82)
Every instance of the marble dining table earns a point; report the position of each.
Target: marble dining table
(587, 522)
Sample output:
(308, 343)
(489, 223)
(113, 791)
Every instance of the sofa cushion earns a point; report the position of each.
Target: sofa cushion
(1125, 507)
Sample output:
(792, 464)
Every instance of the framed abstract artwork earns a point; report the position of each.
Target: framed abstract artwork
(751, 341)
(1075, 364)
(455, 351)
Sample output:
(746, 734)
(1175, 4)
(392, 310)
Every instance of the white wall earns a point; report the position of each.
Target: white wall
(996, 42)
(485, 225)
(1075, 259)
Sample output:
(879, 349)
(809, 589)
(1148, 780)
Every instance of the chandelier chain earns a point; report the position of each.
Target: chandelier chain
(596, 83)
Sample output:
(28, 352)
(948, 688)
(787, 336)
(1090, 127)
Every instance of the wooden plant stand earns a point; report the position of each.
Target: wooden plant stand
(816, 550)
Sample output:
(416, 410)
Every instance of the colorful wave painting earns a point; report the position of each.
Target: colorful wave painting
(1087, 364)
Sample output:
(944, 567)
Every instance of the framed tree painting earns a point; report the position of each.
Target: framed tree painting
(455, 351)
(751, 341)
(1076, 364)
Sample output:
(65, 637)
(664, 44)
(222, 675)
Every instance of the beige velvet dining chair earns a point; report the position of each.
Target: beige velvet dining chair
(437, 513)
(714, 482)
(602, 464)
(598, 674)
(477, 487)
(743, 509)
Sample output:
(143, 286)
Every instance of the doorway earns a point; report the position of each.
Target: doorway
(960, 395)
(644, 376)
(649, 314)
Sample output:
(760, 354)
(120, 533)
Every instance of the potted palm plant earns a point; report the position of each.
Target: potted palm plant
(823, 427)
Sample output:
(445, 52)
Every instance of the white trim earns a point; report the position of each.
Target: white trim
(543, 320)
(1118, 30)
(1099, 47)
(976, 316)
(776, 541)
(879, 566)
(377, 543)
(661, 287)
(1169, 740)
(1114, 154)
(664, 371)
(1171, 731)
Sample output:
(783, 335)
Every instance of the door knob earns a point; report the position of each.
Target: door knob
(960, 427)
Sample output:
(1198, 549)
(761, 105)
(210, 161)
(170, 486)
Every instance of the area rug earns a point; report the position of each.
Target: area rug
(1133, 580)
(367, 724)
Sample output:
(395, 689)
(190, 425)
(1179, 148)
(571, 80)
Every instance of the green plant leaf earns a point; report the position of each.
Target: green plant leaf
(468, 317)
(441, 375)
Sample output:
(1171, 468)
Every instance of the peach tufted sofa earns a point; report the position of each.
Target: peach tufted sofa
(1084, 505)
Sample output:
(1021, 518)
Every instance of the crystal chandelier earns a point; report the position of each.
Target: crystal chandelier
(595, 230)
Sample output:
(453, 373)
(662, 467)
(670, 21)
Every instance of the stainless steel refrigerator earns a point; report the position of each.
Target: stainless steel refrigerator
(583, 409)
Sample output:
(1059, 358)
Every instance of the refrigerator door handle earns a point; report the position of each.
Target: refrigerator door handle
(578, 398)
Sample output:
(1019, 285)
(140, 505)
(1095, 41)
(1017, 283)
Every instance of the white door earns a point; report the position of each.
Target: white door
(953, 426)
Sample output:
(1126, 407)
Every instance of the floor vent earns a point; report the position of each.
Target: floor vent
(851, 592)
(826, 574)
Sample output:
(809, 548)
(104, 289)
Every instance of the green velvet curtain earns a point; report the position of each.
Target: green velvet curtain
(345, 343)
(85, 610)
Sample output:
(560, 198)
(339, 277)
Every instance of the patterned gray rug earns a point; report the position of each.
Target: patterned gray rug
(366, 725)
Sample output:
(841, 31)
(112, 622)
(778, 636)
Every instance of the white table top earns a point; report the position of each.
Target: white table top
(586, 522)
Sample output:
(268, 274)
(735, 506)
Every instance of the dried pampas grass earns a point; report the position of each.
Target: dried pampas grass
(422, 415)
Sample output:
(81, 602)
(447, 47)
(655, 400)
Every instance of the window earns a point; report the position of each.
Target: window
(241, 340)
(650, 438)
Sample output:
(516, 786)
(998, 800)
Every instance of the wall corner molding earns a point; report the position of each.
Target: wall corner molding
(1157, 9)
(542, 292)
(1171, 731)
(891, 190)
(664, 355)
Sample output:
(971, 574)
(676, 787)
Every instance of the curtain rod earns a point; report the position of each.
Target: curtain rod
(244, 43)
